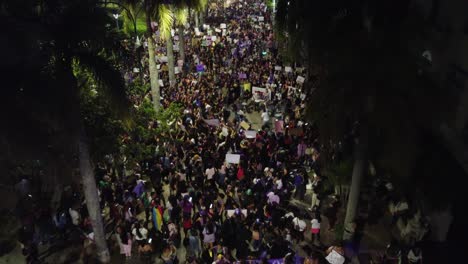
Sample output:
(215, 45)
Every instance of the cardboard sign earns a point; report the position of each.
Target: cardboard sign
(261, 19)
(245, 125)
(205, 26)
(300, 79)
(250, 134)
(212, 122)
(217, 30)
(222, 26)
(287, 69)
(161, 84)
(277, 68)
(136, 70)
(163, 59)
(233, 158)
(176, 70)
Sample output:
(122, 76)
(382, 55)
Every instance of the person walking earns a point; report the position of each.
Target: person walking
(315, 229)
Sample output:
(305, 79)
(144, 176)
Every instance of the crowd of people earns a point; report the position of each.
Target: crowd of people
(221, 189)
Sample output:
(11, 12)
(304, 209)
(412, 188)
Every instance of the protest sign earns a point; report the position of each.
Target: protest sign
(233, 158)
(261, 19)
(176, 70)
(136, 70)
(287, 69)
(212, 122)
(163, 59)
(222, 25)
(217, 30)
(225, 131)
(335, 258)
(259, 93)
(244, 125)
(161, 84)
(213, 38)
(250, 134)
(277, 68)
(205, 26)
(200, 68)
(300, 79)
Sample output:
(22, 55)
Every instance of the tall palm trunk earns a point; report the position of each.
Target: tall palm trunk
(197, 19)
(181, 43)
(353, 198)
(170, 60)
(153, 69)
(92, 198)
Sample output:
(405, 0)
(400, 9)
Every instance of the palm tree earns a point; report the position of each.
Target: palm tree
(181, 15)
(352, 49)
(68, 36)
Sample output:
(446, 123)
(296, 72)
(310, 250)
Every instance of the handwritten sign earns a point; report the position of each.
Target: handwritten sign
(335, 258)
(261, 19)
(161, 84)
(287, 69)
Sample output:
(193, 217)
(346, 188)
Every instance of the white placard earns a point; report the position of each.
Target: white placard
(233, 158)
(277, 68)
(300, 79)
(205, 26)
(335, 258)
(261, 94)
(158, 66)
(213, 38)
(261, 19)
(223, 25)
(250, 134)
(176, 70)
(161, 84)
(197, 32)
(287, 69)
(217, 30)
(163, 59)
(136, 70)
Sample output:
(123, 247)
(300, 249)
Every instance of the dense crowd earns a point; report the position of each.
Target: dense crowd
(190, 195)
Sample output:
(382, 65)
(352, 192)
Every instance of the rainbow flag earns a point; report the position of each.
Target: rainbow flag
(157, 214)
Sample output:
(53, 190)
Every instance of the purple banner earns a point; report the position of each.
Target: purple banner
(200, 68)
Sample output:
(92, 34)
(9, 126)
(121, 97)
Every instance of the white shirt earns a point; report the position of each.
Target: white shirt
(299, 224)
(210, 173)
(279, 184)
(265, 117)
(143, 231)
(315, 224)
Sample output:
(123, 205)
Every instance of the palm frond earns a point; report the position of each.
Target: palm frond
(108, 78)
(166, 20)
(181, 16)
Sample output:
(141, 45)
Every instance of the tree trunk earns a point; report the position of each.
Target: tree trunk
(92, 198)
(154, 74)
(170, 60)
(197, 20)
(181, 43)
(202, 19)
(353, 198)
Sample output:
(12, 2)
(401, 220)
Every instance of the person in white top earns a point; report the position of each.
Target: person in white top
(315, 229)
(299, 228)
(140, 233)
(210, 172)
(265, 117)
